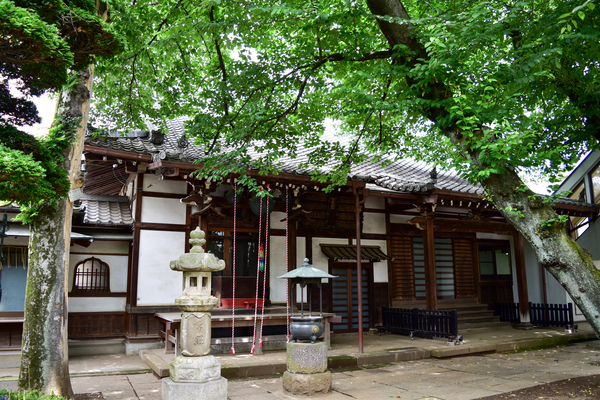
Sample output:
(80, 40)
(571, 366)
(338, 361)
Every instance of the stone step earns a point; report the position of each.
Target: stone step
(482, 325)
(157, 364)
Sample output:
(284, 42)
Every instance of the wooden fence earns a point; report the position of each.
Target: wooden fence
(559, 315)
(426, 323)
(508, 312)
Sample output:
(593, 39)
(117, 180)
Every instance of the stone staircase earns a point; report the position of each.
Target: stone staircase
(471, 314)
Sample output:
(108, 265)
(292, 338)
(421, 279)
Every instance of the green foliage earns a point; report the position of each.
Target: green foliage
(33, 172)
(43, 43)
(502, 80)
(29, 395)
(43, 40)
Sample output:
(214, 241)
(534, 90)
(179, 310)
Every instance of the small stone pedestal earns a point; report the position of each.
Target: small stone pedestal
(307, 369)
(195, 375)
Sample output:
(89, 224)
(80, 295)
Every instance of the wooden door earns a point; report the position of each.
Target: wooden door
(495, 271)
(344, 296)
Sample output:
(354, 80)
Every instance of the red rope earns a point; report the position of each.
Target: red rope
(233, 266)
(262, 316)
(257, 273)
(287, 261)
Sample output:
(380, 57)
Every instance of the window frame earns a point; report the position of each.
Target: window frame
(76, 291)
(495, 276)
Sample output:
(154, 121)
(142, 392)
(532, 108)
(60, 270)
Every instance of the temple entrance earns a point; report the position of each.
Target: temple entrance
(495, 273)
(344, 295)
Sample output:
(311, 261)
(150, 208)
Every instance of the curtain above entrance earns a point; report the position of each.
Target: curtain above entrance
(338, 252)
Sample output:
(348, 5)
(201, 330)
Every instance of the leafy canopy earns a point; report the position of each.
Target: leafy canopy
(518, 80)
(41, 43)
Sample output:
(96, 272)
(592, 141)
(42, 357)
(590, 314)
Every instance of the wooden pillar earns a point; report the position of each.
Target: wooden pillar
(358, 208)
(292, 254)
(521, 270)
(132, 275)
(430, 272)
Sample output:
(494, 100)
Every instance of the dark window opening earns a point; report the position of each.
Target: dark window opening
(494, 261)
(91, 275)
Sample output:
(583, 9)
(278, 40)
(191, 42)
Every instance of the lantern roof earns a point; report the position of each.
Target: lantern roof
(306, 271)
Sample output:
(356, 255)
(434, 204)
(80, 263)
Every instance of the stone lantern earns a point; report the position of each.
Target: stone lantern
(307, 361)
(195, 374)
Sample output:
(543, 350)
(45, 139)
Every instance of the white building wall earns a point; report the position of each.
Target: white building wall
(108, 252)
(374, 223)
(153, 183)
(163, 211)
(96, 304)
(157, 283)
(117, 267)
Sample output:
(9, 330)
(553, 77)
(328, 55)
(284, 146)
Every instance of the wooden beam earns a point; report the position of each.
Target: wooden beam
(521, 270)
(448, 225)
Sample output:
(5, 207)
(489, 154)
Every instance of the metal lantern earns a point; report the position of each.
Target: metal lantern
(309, 327)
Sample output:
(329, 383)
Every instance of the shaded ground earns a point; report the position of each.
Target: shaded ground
(89, 396)
(584, 387)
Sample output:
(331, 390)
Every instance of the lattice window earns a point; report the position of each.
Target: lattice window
(91, 275)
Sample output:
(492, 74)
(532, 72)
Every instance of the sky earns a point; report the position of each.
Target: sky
(46, 107)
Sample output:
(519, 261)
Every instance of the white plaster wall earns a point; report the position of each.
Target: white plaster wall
(277, 261)
(163, 186)
(375, 202)
(276, 220)
(164, 211)
(103, 246)
(117, 267)
(157, 283)
(535, 288)
(374, 223)
(96, 304)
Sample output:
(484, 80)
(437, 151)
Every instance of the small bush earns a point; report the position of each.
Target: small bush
(27, 395)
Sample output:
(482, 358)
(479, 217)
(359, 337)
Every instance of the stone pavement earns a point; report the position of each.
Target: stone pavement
(432, 369)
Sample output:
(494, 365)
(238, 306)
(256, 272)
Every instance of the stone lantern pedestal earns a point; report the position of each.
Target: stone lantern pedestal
(195, 374)
(307, 369)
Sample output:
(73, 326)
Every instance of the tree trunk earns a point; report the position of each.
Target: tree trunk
(534, 219)
(44, 355)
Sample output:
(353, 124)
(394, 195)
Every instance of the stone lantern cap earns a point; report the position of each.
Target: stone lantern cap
(197, 260)
(306, 272)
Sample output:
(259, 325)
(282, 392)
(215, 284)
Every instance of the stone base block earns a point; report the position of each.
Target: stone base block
(212, 390)
(306, 358)
(195, 369)
(306, 384)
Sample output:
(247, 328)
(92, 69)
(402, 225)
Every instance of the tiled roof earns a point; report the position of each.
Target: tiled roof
(106, 212)
(400, 176)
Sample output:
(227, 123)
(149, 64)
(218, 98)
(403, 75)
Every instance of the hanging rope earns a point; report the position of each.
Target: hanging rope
(257, 274)
(287, 260)
(262, 316)
(233, 266)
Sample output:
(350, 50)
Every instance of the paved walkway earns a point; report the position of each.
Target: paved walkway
(391, 366)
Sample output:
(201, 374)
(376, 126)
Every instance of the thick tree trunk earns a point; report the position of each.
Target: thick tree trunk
(44, 356)
(555, 249)
(535, 220)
